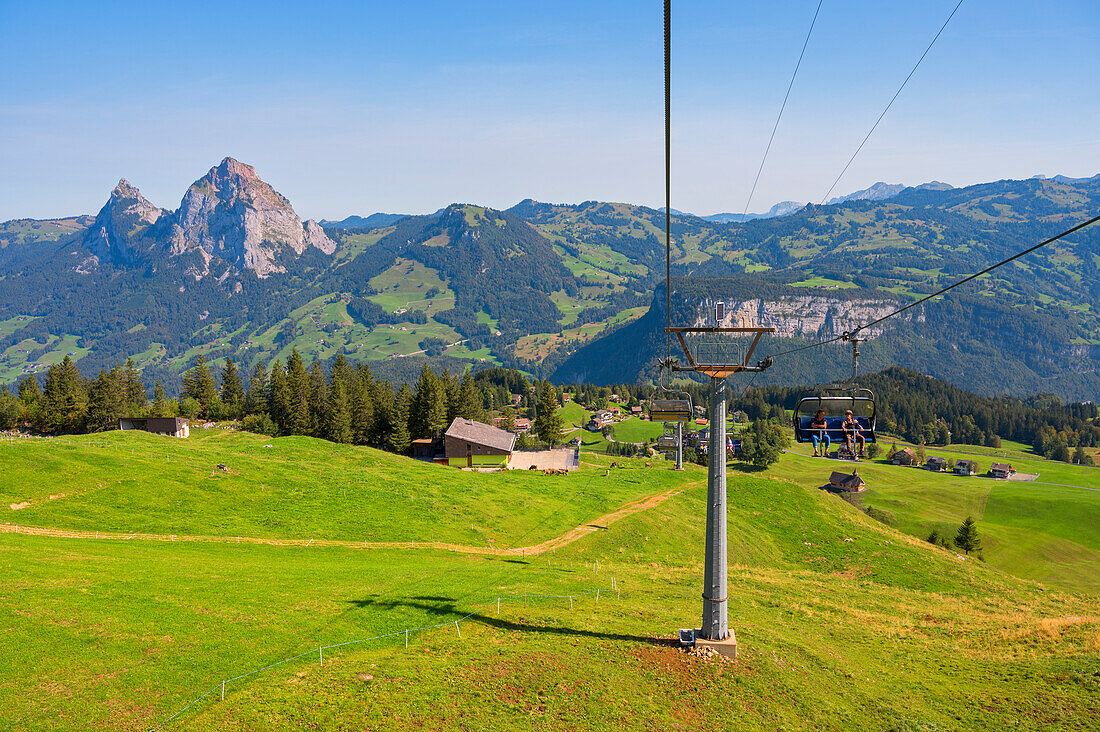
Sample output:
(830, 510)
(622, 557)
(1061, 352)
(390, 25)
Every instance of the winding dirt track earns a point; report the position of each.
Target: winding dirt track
(633, 507)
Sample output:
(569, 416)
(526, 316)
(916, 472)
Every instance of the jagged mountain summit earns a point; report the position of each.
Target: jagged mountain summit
(121, 222)
(229, 220)
(232, 214)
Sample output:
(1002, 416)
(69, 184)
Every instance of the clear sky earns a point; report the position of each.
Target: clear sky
(351, 108)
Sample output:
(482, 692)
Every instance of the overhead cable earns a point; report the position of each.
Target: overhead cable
(892, 99)
(782, 107)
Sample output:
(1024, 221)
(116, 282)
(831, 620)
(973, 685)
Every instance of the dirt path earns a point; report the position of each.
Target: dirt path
(599, 524)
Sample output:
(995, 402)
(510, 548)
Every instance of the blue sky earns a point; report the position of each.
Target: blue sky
(360, 107)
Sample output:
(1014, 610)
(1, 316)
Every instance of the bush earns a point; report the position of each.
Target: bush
(621, 448)
(873, 450)
(938, 539)
(261, 424)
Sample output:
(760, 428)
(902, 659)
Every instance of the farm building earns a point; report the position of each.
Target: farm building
(936, 463)
(636, 411)
(599, 419)
(965, 467)
(468, 444)
(427, 449)
(905, 456)
(172, 426)
(851, 483)
(1001, 470)
(522, 425)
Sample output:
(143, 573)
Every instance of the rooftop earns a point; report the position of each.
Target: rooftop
(481, 433)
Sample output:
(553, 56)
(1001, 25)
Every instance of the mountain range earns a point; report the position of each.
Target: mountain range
(572, 291)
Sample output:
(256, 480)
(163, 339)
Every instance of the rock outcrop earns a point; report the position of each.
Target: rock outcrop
(811, 316)
(120, 224)
(233, 215)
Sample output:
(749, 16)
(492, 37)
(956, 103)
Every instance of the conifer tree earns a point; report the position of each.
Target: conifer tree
(364, 406)
(64, 398)
(318, 399)
(297, 387)
(469, 400)
(428, 416)
(232, 393)
(548, 423)
(106, 401)
(29, 393)
(966, 538)
(256, 401)
(338, 427)
(398, 438)
(159, 407)
(199, 384)
(278, 397)
(136, 398)
(11, 409)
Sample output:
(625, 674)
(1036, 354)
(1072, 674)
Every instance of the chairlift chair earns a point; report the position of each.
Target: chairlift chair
(835, 400)
(670, 410)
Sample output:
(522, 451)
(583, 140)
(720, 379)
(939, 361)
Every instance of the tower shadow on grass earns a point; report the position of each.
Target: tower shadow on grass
(443, 607)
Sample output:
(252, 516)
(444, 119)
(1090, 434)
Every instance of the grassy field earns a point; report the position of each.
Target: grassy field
(843, 623)
(1047, 530)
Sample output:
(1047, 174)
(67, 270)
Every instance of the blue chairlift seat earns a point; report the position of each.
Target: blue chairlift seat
(836, 401)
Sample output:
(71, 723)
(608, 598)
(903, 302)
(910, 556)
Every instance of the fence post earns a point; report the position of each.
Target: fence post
(223, 691)
(525, 599)
(570, 602)
(406, 638)
(498, 606)
(458, 629)
(597, 595)
(321, 655)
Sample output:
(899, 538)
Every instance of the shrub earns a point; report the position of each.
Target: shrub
(938, 539)
(873, 450)
(261, 424)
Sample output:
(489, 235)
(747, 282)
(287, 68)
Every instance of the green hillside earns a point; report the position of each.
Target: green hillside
(558, 282)
(842, 622)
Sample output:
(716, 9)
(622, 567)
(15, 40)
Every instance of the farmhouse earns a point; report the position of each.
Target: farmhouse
(468, 443)
(1001, 470)
(636, 411)
(522, 425)
(936, 464)
(965, 467)
(172, 426)
(851, 483)
(905, 456)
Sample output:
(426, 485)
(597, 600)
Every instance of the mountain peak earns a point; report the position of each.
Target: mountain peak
(123, 219)
(235, 215)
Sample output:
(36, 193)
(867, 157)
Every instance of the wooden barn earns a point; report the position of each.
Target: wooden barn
(471, 444)
(851, 483)
(1000, 470)
(904, 456)
(936, 464)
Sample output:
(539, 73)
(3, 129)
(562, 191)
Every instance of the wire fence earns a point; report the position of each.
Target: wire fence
(404, 632)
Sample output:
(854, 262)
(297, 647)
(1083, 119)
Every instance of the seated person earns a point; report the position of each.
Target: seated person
(852, 429)
(818, 434)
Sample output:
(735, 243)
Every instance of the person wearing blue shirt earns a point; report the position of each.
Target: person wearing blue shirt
(820, 435)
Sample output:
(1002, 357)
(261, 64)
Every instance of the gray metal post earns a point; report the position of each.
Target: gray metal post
(715, 609)
(679, 445)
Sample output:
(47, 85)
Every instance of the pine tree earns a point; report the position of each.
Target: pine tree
(428, 417)
(469, 400)
(199, 384)
(29, 393)
(64, 398)
(318, 399)
(232, 393)
(548, 423)
(297, 387)
(106, 401)
(363, 398)
(278, 397)
(338, 427)
(136, 398)
(398, 438)
(256, 401)
(159, 407)
(966, 538)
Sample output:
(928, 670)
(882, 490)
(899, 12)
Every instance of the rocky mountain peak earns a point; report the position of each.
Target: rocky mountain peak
(122, 221)
(233, 214)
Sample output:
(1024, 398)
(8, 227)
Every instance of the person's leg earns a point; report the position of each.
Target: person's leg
(815, 439)
(827, 442)
(862, 444)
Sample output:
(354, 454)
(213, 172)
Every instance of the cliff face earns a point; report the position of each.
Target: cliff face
(811, 316)
(233, 215)
(120, 224)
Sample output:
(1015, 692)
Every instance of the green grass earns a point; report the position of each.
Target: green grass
(1039, 530)
(879, 632)
(824, 282)
(405, 284)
